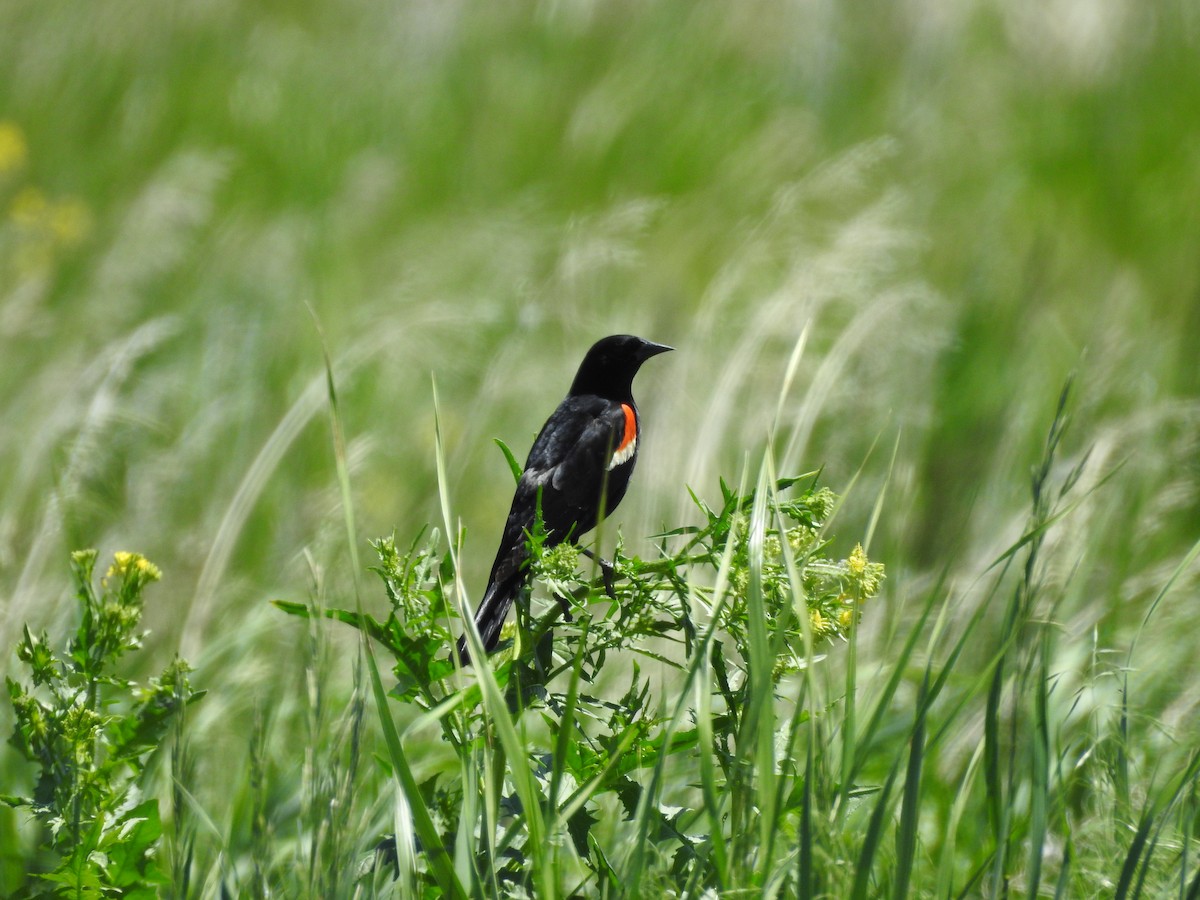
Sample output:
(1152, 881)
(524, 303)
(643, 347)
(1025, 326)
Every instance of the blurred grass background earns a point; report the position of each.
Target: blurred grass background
(962, 202)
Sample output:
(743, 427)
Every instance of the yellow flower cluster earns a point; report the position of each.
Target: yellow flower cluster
(126, 564)
(820, 624)
(42, 225)
(865, 574)
(13, 149)
(857, 561)
(64, 221)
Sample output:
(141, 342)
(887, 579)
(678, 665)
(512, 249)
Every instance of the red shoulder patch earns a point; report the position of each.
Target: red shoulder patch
(624, 451)
(630, 434)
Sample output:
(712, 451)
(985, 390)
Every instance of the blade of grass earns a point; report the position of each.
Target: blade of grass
(1134, 853)
(1039, 769)
(1123, 725)
(566, 723)
(806, 874)
(439, 859)
(1001, 797)
(898, 666)
(708, 783)
(1186, 824)
(789, 375)
(1184, 781)
(1063, 885)
(1038, 531)
(465, 851)
(849, 728)
(493, 699)
(405, 842)
(758, 724)
(945, 873)
(786, 787)
(906, 834)
(871, 841)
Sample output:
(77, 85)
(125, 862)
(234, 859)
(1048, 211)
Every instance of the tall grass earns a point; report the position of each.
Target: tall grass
(953, 208)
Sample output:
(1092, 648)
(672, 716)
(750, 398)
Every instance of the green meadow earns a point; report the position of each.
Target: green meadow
(276, 277)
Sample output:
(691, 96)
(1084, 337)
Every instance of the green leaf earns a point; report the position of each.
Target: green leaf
(579, 826)
(513, 465)
(439, 859)
(130, 847)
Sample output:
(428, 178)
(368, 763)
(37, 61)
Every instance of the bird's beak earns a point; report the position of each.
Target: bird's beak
(649, 349)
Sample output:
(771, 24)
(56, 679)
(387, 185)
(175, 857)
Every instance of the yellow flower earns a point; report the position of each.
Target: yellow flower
(865, 574)
(818, 622)
(857, 563)
(845, 617)
(13, 149)
(126, 564)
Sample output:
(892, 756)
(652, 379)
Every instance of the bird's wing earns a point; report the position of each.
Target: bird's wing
(569, 458)
(567, 463)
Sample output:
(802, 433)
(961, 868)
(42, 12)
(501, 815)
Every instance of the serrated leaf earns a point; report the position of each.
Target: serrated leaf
(292, 608)
(629, 793)
(513, 465)
(129, 848)
(579, 826)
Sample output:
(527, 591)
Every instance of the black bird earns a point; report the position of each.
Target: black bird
(580, 462)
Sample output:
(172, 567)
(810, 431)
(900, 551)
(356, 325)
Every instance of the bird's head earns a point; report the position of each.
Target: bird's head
(611, 363)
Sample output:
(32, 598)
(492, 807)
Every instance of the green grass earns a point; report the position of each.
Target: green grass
(882, 237)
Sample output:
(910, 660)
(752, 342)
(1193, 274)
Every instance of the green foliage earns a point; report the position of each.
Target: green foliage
(679, 725)
(91, 733)
(587, 747)
(948, 205)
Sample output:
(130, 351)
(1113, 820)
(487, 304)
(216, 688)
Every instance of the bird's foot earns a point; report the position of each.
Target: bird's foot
(606, 571)
(565, 603)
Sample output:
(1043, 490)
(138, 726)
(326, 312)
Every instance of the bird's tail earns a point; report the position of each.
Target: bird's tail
(492, 611)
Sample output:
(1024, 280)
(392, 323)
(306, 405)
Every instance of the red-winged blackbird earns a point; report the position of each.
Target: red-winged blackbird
(580, 463)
